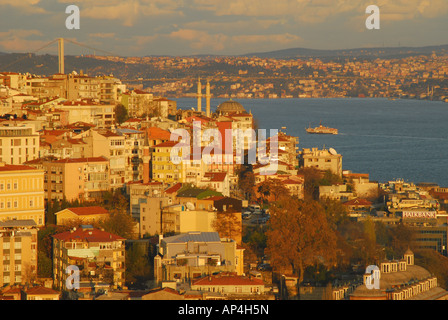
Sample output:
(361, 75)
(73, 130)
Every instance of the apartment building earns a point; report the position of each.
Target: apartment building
(322, 160)
(21, 193)
(99, 255)
(100, 114)
(18, 249)
(193, 255)
(18, 144)
(77, 178)
(163, 168)
(111, 145)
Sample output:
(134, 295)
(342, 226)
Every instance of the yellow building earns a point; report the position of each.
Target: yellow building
(21, 193)
(18, 249)
(181, 219)
(86, 215)
(163, 168)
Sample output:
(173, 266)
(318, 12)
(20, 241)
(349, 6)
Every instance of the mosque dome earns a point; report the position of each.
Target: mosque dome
(230, 106)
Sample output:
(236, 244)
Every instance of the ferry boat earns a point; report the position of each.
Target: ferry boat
(322, 130)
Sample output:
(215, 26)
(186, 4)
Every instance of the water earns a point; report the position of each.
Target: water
(388, 139)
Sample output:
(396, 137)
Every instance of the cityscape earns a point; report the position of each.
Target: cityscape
(111, 189)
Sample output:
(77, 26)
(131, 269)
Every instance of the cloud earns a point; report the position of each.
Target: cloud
(102, 35)
(25, 6)
(17, 40)
(220, 43)
(126, 12)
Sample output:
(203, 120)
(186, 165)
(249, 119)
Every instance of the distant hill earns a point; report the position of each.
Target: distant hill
(386, 52)
(47, 64)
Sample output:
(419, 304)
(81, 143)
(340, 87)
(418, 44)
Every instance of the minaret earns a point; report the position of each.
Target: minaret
(199, 95)
(207, 99)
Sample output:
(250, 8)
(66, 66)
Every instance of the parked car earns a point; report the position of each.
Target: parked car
(264, 267)
(254, 207)
(260, 220)
(246, 215)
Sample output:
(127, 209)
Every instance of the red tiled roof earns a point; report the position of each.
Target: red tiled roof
(85, 211)
(40, 291)
(76, 160)
(291, 181)
(154, 133)
(174, 188)
(216, 176)
(215, 198)
(89, 235)
(13, 167)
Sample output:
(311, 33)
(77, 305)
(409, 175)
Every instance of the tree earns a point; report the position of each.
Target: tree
(335, 211)
(228, 225)
(246, 183)
(312, 178)
(272, 190)
(299, 236)
(138, 268)
(121, 113)
(119, 223)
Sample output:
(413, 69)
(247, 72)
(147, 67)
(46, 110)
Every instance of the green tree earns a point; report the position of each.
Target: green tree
(138, 268)
(121, 113)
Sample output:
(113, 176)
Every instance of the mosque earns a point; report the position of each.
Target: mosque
(226, 108)
(399, 280)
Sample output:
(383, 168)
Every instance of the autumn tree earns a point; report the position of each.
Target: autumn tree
(119, 223)
(246, 183)
(336, 212)
(312, 178)
(229, 225)
(272, 189)
(299, 236)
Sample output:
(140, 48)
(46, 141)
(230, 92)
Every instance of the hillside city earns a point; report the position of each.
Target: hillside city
(420, 77)
(93, 207)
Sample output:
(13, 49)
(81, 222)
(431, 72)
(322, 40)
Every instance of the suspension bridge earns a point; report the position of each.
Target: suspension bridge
(61, 53)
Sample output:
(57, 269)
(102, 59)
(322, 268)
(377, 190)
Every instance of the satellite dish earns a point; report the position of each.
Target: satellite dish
(189, 205)
(332, 151)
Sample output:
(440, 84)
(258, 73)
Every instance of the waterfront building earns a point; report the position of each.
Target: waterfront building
(322, 160)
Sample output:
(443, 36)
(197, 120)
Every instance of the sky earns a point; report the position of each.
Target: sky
(222, 27)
